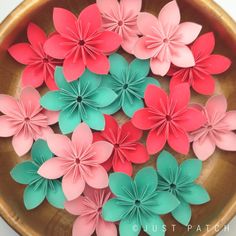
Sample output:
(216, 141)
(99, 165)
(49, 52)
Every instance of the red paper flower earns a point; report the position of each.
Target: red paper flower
(81, 42)
(40, 67)
(199, 76)
(127, 149)
(168, 118)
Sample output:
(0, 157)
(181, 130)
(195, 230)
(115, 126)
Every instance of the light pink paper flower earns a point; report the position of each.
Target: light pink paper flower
(165, 39)
(122, 19)
(217, 131)
(78, 161)
(89, 208)
(25, 119)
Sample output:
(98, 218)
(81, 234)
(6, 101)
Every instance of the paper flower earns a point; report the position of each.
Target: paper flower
(127, 148)
(129, 82)
(165, 39)
(89, 208)
(199, 76)
(78, 101)
(78, 161)
(179, 180)
(39, 66)
(81, 42)
(138, 204)
(168, 118)
(25, 119)
(38, 187)
(217, 131)
(122, 19)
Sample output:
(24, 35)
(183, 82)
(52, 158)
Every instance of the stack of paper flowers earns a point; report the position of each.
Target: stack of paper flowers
(88, 169)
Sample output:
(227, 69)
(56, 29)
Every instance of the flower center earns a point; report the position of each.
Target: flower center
(27, 119)
(79, 99)
(125, 86)
(120, 22)
(81, 42)
(172, 186)
(137, 202)
(168, 118)
(99, 210)
(77, 161)
(166, 40)
(116, 145)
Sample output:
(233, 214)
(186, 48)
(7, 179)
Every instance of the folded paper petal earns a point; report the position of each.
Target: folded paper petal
(229, 119)
(83, 226)
(226, 141)
(157, 222)
(35, 35)
(155, 141)
(159, 67)
(22, 143)
(7, 128)
(123, 166)
(103, 150)
(106, 228)
(127, 227)
(145, 19)
(182, 213)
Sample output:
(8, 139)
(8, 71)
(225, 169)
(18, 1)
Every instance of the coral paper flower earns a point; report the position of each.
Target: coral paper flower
(38, 187)
(127, 149)
(179, 180)
(218, 129)
(168, 118)
(81, 42)
(39, 66)
(122, 19)
(199, 76)
(129, 81)
(77, 101)
(78, 161)
(165, 39)
(25, 119)
(138, 204)
(89, 208)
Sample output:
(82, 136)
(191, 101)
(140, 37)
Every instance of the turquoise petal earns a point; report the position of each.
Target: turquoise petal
(118, 65)
(25, 172)
(94, 118)
(55, 195)
(167, 167)
(113, 210)
(108, 82)
(189, 170)
(182, 213)
(129, 227)
(89, 81)
(40, 152)
(33, 196)
(68, 121)
(146, 181)
(153, 225)
(112, 108)
(139, 68)
(60, 79)
(195, 194)
(52, 101)
(130, 108)
(148, 80)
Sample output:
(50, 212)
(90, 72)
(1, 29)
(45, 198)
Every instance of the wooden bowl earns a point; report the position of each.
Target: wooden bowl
(219, 172)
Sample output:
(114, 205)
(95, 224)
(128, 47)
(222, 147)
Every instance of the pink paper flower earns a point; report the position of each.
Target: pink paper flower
(165, 39)
(39, 66)
(127, 148)
(25, 119)
(78, 161)
(199, 76)
(168, 118)
(217, 131)
(81, 42)
(122, 19)
(89, 208)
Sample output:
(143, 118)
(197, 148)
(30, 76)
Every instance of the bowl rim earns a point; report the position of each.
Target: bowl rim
(31, 5)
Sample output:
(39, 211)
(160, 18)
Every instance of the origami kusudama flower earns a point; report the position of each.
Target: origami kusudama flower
(78, 161)
(217, 131)
(168, 118)
(138, 204)
(127, 148)
(89, 208)
(199, 76)
(25, 119)
(122, 19)
(164, 39)
(39, 66)
(81, 42)
(38, 187)
(179, 180)
(78, 101)
(129, 82)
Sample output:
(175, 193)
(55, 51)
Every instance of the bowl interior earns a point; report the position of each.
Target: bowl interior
(218, 176)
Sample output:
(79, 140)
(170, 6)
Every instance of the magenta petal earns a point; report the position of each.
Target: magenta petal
(30, 98)
(155, 141)
(123, 166)
(99, 65)
(146, 19)
(176, 80)
(159, 67)
(84, 226)
(76, 206)
(7, 128)
(130, 132)
(106, 228)
(215, 104)
(102, 150)
(226, 141)
(111, 126)
(179, 141)
(50, 82)
(22, 143)
(8, 104)
(229, 120)
(141, 49)
(36, 35)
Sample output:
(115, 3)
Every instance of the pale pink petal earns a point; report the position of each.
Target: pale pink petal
(36, 35)
(106, 228)
(108, 6)
(216, 104)
(7, 128)
(22, 143)
(45, 133)
(84, 226)
(229, 120)
(141, 49)
(146, 22)
(53, 168)
(187, 32)
(102, 150)
(204, 148)
(8, 104)
(129, 43)
(131, 7)
(76, 206)
(51, 115)
(159, 67)
(226, 141)
(30, 98)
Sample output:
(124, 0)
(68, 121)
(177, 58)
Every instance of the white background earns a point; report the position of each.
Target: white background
(6, 6)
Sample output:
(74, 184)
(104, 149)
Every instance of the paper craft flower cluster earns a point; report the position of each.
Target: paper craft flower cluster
(88, 82)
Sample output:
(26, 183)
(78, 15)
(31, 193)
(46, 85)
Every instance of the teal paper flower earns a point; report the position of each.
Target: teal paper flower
(138, 204)
(77, 101)
(38, 187)
(179, 180)
(129, 81)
